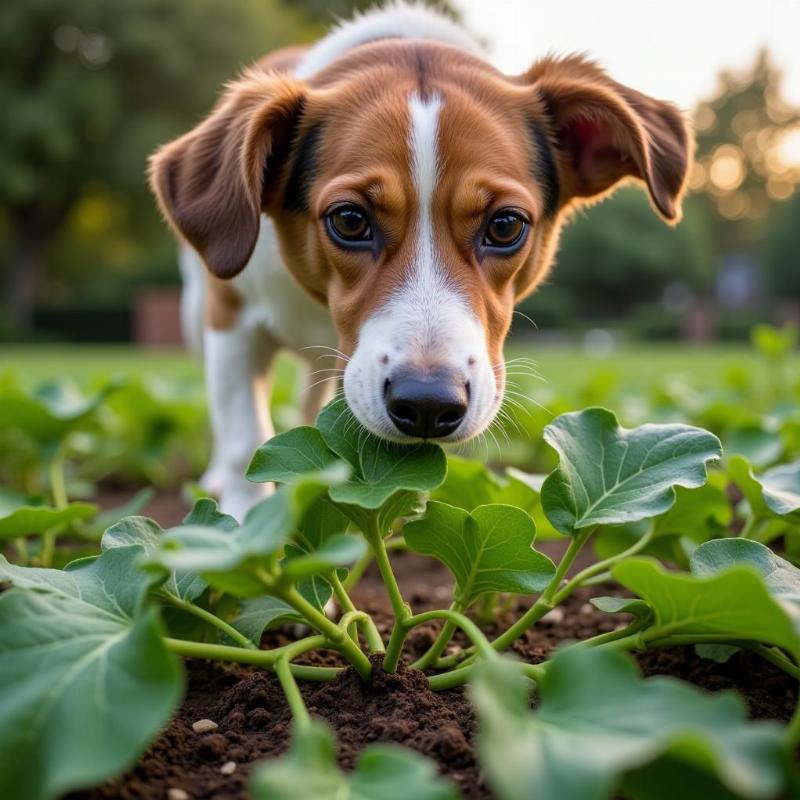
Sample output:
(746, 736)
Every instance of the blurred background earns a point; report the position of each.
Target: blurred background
(90, 87)
(90, 285)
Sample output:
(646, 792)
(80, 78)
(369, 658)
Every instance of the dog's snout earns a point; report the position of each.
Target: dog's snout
(426, 408)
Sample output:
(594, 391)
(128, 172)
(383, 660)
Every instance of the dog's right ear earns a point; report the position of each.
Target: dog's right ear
(212, 183)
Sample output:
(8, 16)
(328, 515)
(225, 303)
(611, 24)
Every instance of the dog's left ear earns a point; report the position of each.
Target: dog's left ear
(604, 132)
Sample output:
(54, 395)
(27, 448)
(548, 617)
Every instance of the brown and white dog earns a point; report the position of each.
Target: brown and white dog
(389, 192)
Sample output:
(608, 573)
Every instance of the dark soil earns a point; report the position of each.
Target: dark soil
(254, 721)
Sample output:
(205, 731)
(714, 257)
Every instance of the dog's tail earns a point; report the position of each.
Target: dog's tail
(193, 298)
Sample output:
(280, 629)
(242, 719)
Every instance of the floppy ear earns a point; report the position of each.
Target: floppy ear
(213, 182)
(605, 132)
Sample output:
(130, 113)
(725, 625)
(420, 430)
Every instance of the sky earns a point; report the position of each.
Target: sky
(672, 50)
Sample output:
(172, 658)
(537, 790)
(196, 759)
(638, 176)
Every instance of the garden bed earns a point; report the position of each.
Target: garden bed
(254, 720)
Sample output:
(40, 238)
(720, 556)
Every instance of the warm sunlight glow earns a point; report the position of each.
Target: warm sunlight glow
(727, 168)
(789, 148)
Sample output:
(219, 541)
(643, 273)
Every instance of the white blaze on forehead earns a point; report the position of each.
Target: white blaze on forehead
(427, 325)
(428, 296)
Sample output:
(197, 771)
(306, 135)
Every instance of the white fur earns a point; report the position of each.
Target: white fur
(392, 20)
(427, 321)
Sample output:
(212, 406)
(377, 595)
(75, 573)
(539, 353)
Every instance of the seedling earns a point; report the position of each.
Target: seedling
(96, 669)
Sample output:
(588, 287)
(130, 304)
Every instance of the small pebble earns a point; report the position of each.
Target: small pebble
(204, 726)
(228, 768)
(554, 616)
(587, 608)
(177, 794)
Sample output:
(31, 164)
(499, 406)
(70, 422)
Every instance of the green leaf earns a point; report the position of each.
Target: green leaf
(697, 513)
(383, 772)
(609, 475)
(257, 614)
(95, 683)
(759, 446)
(205, 512)
(781, 578)
(291, 455)
(185, 584)
(586, 734)
(381, 469)
(51, 410)
(25, 520)
(488, 550)
(340, 550)
(734, 604)
(134, 507)
(776, 491)
(622, 605)
(470, 484)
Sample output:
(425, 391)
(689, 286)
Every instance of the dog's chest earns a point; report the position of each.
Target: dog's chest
(275, 301)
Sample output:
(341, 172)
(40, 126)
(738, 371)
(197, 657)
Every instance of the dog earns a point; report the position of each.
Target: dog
(388, 193)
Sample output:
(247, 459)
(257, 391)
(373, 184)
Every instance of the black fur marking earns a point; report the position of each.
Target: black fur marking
(544, 168)
(304, 168)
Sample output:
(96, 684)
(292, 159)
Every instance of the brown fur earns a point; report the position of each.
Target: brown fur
(214, 182)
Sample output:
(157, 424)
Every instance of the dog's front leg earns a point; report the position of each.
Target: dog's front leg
(236, 363)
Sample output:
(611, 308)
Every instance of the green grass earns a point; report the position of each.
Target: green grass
(564, 368)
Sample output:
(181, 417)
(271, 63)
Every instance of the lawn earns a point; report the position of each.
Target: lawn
(565, 368)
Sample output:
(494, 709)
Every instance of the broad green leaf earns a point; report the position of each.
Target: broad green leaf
(781, 578)
(381, 469)
(697, 513)
(383, 772)
(51, 410)
(759, 446)
(134, 507)
(609, 475)
(257, 614)
(26, 520)
(470, 484)
(775, 491)
(488, 550)
(622, 605)
(340, 550)
(586, 733)
(227, 557)
(205, 512)
(720, 653)
(185, 584)
(733, 604)
(291, 455)
(94, 680)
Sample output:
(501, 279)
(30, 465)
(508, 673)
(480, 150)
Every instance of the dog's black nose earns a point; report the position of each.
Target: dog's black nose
(426, 408)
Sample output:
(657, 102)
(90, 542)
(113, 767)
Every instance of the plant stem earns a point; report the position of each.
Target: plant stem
(439, 644)
(59, 492)
(57, 485)
(208, 617)
(749, 526)
(778, 659)
(293, 697)
(601, 566)
(261, 658)
(23, 556)
(399, 606)
(365, 623)
(546, 601)
(335, 635)
(482, 644)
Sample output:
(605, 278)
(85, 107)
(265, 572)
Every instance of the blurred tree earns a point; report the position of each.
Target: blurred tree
(620, 253)
(88, 88)
(782, 251)
(748, 158)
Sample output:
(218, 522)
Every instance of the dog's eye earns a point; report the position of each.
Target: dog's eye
(505, 229)
(349, 223)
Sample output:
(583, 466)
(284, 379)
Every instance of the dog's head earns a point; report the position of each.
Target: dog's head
(419, 193)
